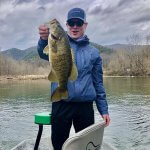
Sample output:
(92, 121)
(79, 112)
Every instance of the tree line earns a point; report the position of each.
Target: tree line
(134, 60)
(9, 66)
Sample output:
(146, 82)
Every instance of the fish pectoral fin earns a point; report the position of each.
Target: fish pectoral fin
(52, 76)
(74, 72)
(59, 95)
(72, 54)
(46, 50)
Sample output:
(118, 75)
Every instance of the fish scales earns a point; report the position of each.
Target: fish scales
(61, 59)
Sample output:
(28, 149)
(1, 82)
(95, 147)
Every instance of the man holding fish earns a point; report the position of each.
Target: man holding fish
(76, 76)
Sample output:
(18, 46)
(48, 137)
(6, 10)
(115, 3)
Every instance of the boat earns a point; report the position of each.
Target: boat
(91, 138)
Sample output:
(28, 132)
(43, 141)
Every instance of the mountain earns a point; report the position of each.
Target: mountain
(31, 54)
(102, 49)
(117, 46)
(13, 53)
(126, 46)
(17, 54)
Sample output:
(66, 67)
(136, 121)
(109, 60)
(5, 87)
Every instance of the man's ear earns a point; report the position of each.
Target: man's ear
(67, 25)
(85, 25)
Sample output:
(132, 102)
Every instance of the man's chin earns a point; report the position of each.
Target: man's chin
(75, 36)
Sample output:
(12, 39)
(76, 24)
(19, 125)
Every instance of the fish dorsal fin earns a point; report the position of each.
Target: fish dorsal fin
(52, 76)
(74, 71)
(46, 50)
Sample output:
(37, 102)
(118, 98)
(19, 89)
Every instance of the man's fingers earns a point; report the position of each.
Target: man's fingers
(107, 122)
(106, 119)
(43, 27)
(44, 32)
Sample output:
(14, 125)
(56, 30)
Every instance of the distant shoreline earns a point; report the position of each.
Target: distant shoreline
(23, 77)
(37, 77)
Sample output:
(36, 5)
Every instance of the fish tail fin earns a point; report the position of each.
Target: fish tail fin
(59, 94)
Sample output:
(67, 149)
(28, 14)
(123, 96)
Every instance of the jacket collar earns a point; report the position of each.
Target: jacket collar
(82, 40)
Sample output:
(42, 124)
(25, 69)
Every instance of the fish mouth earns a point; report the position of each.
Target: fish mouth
(54, 37)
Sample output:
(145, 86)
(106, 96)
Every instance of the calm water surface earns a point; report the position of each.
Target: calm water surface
(129, 108)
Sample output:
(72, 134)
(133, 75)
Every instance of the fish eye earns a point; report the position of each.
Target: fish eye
(54, 37)
(52, 22)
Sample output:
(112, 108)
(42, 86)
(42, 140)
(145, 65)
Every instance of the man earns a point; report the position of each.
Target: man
(78, 108)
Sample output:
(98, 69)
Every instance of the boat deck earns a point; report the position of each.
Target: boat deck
(45, 144)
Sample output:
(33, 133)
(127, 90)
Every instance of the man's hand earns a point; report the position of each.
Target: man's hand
(106, 119)
(44, 32)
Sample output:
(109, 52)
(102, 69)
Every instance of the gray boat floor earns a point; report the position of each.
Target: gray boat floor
(45, 144)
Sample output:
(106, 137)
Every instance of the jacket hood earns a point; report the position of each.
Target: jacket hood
(82, 40)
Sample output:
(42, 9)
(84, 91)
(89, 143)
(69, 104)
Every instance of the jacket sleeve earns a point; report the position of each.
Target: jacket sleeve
(40, 48)
(97, 75)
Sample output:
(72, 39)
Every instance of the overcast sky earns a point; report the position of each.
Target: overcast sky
(109, 21)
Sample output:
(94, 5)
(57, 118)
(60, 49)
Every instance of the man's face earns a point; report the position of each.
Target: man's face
(76, 28)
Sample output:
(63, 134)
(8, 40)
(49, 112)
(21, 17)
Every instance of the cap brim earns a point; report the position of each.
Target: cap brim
(76, 18)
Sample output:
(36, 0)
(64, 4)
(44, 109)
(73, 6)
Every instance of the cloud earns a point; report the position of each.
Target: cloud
(125, 2)
(108, 21)
(95, 10)
(142, 17)
(17, 2)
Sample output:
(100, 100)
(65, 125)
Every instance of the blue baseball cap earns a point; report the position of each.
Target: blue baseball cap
(77, 13)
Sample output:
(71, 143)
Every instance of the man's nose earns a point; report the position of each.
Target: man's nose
(75, 26)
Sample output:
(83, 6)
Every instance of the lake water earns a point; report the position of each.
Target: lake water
(129, 108)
